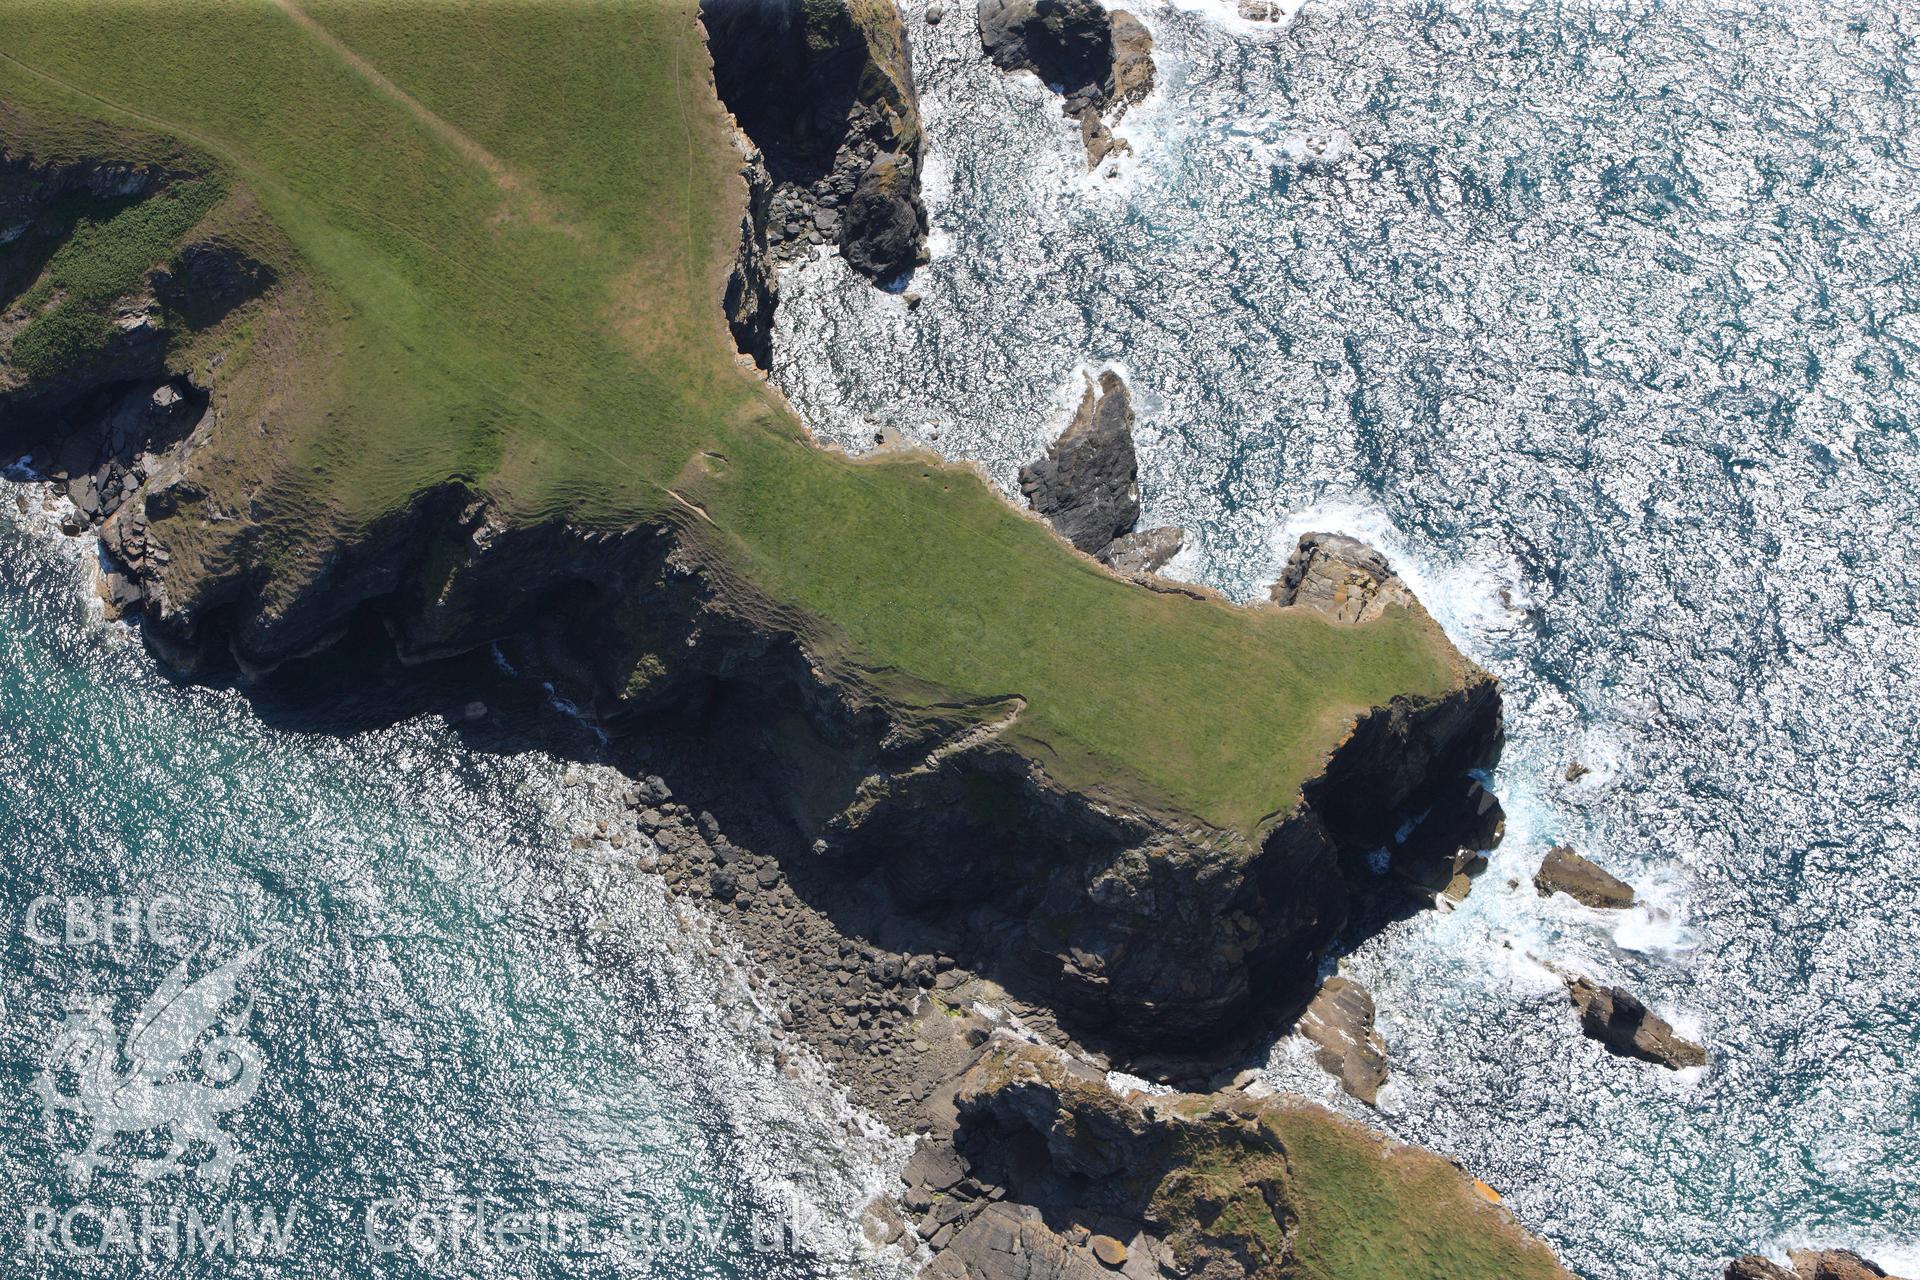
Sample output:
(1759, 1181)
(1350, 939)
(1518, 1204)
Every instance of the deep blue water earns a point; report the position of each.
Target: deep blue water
(1601, 320)
(456, 1007)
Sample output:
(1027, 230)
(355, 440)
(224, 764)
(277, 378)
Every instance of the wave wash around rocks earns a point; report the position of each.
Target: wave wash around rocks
(448, 350)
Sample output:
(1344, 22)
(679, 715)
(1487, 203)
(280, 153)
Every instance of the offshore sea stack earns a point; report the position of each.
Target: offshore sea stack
(823, 90)
(1619, 1020)
(1088, 484)
(1100, 62)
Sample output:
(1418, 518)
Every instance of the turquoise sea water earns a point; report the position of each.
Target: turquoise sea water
(1603, 321)
(455, 1007)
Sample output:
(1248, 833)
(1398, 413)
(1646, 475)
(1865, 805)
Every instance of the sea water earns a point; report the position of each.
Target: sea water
(1602, 321)
(481, 1050)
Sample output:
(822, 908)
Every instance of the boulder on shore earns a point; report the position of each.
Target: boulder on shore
(1619, 1020)
(1564, 871)
(1339, 1024)
(1145, 551)
(1342, 577)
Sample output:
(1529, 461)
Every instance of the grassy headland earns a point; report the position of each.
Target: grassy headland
(512, 221)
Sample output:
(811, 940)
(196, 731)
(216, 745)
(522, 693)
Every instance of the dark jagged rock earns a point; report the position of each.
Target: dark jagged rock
(751, 293)
(1339, 1023)
(1099, 62)
(824, 90)
(1755, 1267)
(883, 234)
(1145, 551)
(1087, 486)
(1564, 871)
(1617, 1019)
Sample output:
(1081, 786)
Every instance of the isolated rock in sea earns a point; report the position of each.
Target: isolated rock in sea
(1145, 551)
(1099, 62)
(1342, 577)
(1339, 1023)
(1564, 871)
(1266, 10)
(1617, 1019)
(1808, 1264)
(1087, 485)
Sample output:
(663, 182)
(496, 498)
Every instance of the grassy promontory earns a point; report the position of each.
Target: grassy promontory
(510, 223)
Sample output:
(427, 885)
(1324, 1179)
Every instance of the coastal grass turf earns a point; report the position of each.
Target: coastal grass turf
(516, 219)
(1370, 1211)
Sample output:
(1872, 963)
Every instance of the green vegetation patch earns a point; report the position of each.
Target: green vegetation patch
(106, 254)
(1367, 1211)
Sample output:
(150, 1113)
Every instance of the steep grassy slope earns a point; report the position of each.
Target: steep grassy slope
(512, 221)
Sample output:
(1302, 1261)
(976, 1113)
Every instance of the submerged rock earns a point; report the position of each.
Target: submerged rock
(1564, 871)
(1087, 485)
(1617, 1019)
(1339, 1023)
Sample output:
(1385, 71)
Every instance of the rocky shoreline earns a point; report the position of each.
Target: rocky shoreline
(969, 945)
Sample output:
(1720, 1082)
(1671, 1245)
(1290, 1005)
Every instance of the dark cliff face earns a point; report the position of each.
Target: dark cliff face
(824, 90)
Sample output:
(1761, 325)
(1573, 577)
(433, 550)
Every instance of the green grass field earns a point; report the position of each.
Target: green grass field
(515, 219)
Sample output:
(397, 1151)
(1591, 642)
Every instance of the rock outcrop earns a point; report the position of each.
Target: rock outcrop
(1808, 1264)
(824, 90)
(1340, 576)
(1564, 871)
(1088, 484)
(1339, 1024)
(1221, 1186)
(1100, 62)
(1618, 1020)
